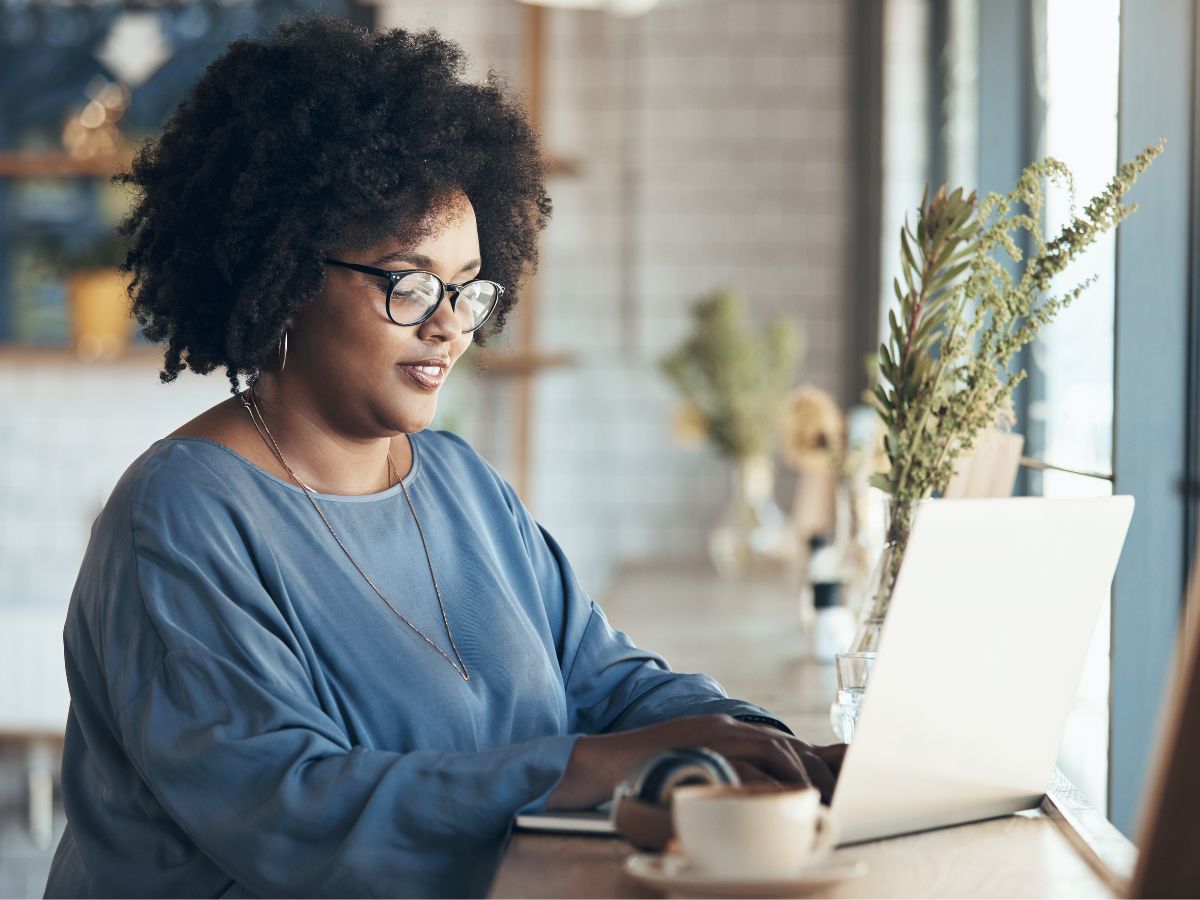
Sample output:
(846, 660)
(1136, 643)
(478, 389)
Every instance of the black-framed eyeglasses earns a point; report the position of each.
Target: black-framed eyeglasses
(413, 295)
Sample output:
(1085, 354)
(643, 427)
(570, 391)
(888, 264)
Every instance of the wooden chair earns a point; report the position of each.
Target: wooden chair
(1169, 834)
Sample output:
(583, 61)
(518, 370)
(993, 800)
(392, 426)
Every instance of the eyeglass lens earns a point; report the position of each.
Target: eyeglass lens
(417, 292)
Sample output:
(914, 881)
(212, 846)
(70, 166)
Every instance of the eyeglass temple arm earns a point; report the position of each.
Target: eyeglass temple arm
(366, 270)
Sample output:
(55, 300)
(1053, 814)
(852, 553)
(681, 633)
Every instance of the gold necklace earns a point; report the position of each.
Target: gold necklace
(260, 425)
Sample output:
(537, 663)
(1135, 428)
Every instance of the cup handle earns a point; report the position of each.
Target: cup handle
(827, 833)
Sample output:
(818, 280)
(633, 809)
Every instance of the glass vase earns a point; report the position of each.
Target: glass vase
(752, 537)
(878, 595)
(860, 656)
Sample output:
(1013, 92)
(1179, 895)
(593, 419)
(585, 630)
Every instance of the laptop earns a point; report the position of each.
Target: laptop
(979, 664)
(979, 661)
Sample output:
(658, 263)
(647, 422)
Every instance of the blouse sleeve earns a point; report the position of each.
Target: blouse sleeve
(611, 683)
(229, 736)
(614, 685)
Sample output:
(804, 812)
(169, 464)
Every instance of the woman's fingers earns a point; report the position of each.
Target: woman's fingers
(833, 755)
(751, 774)
(794, 762)
(778, 755)
(790, 760)
(822, 776)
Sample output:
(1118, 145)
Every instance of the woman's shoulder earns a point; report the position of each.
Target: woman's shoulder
(449, 446)
(186, 463)
(461, 465)
(184, 481)
(450, 451)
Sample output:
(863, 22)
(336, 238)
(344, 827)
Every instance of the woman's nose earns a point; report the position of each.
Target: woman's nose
(443, 324)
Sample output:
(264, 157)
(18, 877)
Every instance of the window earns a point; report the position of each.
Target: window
(1072, 409)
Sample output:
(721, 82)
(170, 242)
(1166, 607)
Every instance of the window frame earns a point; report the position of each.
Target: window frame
(1155, 446)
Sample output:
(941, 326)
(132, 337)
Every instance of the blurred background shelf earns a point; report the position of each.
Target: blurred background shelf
(61, 165)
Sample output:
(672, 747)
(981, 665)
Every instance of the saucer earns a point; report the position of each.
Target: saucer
(673, 874)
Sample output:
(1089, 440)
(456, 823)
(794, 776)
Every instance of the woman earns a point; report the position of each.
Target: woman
(315, 649)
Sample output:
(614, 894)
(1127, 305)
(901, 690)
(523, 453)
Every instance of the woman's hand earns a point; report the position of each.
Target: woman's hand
(757, 752)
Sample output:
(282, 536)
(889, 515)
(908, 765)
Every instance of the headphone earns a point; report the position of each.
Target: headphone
(641, 809)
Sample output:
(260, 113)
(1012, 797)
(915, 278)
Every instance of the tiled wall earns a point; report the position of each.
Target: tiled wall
(67, 432)
(712, 143)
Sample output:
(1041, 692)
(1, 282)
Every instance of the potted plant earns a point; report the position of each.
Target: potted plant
(734, 381)
(966, 303)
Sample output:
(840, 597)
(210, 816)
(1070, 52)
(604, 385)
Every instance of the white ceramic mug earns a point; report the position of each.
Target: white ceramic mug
(751, 831)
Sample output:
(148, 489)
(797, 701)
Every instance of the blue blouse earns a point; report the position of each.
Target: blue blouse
(249, 718)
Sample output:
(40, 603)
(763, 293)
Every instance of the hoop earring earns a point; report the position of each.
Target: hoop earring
(281, 350)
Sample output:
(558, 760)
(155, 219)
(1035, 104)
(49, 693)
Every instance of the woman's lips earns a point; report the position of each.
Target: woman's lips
(427, 378)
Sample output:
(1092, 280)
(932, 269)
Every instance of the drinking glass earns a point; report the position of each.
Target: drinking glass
(853, 670)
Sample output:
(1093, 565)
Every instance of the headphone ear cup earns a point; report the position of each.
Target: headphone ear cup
(682, 765)
(641, 810)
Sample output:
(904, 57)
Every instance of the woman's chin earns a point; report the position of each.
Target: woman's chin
(413, 420)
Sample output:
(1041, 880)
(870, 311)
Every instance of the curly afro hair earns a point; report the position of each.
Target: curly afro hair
(321, 136)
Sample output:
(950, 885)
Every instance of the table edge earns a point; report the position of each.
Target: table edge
(1109, 853)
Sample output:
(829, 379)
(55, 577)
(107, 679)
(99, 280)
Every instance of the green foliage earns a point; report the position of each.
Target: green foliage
(736, 378)
(963, 314)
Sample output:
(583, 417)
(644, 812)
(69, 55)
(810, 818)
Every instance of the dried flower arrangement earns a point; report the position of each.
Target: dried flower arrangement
(962, 316)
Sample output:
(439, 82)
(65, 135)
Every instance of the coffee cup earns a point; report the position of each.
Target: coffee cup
(751, 831)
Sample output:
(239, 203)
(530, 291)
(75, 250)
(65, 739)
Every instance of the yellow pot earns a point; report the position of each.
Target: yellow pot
(101, 324)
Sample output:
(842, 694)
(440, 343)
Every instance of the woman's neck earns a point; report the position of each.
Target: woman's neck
(324, 454)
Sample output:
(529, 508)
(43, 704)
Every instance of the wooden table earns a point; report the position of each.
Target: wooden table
(748, 637)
